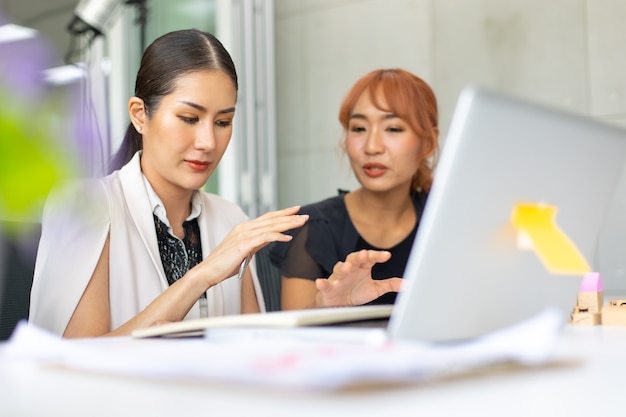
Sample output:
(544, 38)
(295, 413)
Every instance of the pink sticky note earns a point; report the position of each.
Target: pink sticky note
(591, 282)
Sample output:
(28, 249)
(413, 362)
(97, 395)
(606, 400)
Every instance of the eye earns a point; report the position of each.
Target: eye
(395, 129)
(224, 123)
(189, 120)
(357, 129)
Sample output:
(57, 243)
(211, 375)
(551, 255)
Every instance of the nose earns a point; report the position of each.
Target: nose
(374, 142)
(205, 139)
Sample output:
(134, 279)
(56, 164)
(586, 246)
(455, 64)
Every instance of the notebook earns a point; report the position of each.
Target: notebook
(471, 271)
(273, 319)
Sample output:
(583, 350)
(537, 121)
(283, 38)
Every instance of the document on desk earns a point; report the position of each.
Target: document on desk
(283, 359)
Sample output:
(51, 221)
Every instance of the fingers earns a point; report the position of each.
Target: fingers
(277, 222)
(322, 284)
(367, 258)
(362, 260)
(389, 285)
(282, 212)
(283, 219)
(351, 281)
(250, 236)
(269, 227)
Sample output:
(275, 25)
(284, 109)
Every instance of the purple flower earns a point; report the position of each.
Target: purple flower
(21, 66)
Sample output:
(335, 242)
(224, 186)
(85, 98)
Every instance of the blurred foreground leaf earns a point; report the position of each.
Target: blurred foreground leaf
(32, 160)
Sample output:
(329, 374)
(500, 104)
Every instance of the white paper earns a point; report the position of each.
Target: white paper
(283, 361)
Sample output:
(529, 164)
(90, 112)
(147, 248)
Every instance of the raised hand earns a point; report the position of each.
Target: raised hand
(247, 238)
(351, 282)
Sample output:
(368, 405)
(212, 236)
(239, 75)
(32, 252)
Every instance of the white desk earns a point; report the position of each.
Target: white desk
(591, 387)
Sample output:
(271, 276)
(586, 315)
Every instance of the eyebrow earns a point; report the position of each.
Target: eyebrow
(362, 116)
(204, 109)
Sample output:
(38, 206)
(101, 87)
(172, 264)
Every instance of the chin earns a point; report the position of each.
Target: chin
(197, 186)
(195, 183)
(380, 188)
(375, 184)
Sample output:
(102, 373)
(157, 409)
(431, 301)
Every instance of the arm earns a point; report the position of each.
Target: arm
(349, 284)
(92, 314)
(297, 293)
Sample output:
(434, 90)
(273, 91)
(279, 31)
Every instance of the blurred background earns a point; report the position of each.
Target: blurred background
(296, 60)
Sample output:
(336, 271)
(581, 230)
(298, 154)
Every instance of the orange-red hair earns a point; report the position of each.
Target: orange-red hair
(412, 100)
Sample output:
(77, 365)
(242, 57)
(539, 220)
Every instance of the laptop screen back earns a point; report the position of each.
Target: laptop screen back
(469, 273)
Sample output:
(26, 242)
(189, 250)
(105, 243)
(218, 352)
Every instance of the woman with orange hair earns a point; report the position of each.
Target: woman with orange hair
(355, 246)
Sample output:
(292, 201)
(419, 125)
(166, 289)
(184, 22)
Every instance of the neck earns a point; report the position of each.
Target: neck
(177, 207)
(382, 219)
(386, 207)
(176, 200)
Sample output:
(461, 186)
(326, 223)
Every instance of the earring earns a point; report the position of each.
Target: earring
(138, 128)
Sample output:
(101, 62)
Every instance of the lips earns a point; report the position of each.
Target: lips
(374, 170)
(196, 165)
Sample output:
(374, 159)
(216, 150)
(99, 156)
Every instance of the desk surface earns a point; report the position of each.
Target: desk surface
(586, 382)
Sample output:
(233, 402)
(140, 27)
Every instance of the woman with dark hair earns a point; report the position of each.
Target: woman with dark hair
(355, 246)
(144, 244)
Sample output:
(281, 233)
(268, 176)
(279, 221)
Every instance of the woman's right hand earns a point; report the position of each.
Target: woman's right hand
(351, 282)
(247, 238)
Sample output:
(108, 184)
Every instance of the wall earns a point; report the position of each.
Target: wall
(564, 53)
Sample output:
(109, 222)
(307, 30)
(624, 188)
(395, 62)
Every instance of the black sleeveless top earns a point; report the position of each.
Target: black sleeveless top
(329, 236)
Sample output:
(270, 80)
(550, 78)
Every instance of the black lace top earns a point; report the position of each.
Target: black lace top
(178, 256)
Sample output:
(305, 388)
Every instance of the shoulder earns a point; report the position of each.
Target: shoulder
(325, 226)
(328, 209)
(75, 186)
(85, 197)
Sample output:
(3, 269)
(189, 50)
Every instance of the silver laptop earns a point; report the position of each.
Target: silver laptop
(467, 274)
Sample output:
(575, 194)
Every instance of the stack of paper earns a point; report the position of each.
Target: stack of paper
(287, 360)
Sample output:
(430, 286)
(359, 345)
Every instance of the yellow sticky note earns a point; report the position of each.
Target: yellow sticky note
(554, 248)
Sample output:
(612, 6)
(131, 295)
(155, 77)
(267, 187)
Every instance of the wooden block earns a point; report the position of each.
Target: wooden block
(614, 313)
(583, 317)
(592, 300)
